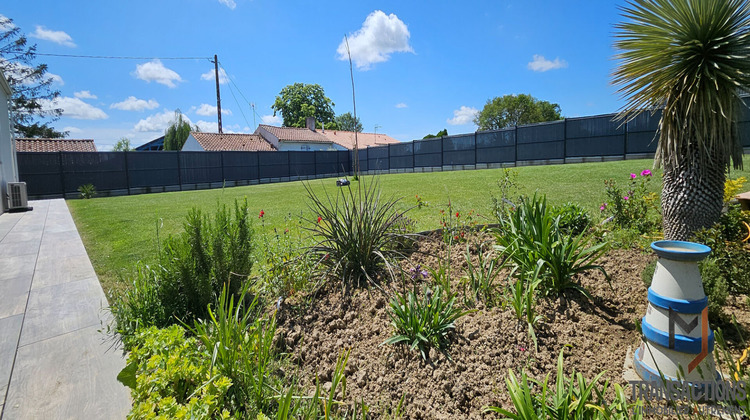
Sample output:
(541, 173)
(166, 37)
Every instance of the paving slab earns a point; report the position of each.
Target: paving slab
(55, 363)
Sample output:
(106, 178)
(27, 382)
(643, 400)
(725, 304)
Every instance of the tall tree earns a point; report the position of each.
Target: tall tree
(298, 101)
(441, 133)
(693, 59)
(347, 122)
(177, 132)
(122, 145)
(509, 110)
(31, 84)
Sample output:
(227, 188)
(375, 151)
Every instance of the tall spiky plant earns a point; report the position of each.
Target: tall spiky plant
(691, 58)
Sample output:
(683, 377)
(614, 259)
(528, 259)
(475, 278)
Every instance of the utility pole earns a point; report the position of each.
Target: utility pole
(218, 95)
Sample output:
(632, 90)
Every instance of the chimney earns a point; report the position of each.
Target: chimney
(310, 123)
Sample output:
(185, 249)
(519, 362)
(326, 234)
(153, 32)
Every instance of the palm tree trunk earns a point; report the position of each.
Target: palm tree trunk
(692, 198)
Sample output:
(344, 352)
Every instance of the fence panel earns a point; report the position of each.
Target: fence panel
(42, 173)
(377, 158)
(401, 155)
(459, 150)
(105, 170)
(496, 146)
(240, 166)
(326, 163)
(594, 136)
(273, 164)
(642, 133)
(541, 141)
(153, 169)
(362, 160)
(428, 153)
(301, 163)
(200, 167)
(344, 162)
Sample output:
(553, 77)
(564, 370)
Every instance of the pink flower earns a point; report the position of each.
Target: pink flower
(646, 172)
(632, 176)
(603, 207)
(626, 198)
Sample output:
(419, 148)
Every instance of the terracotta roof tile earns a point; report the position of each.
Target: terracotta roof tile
(364, 140)
(232, 142)
(55, 145)
(295, 134)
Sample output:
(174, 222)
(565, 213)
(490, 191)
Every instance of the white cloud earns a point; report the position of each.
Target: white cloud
(379, 36)
(154, 71)
(211, 75)
(207, 110)
(72, 130)
(84, 94)
(158, 122)
(74, 108)
(135, 104)
(6, 24)
(271, 119)
(56, 78)
(401, 105)
(213, 127)
(58, 37)
(229, 3)
(21, 71)
(463, 115)
(541, 64)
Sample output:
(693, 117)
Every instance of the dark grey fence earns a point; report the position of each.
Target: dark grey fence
(596, 138)
(119, 173)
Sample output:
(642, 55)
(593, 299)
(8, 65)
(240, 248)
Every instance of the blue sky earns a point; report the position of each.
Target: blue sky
(419, 66)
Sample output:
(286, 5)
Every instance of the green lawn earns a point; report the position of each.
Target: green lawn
(119, 231)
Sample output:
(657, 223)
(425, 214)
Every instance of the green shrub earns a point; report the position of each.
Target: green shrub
(572, 219)
(87, 191)
(171, 377)
(530, 234)
(633, 206)
(647, 275)
(571, 398)
(521, 296)
(193, 269)
(715, 287)
(357, 233)
(422, 323)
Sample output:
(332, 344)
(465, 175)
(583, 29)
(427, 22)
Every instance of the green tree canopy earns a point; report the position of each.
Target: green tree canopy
(510, 110)
(441, 133)
(122, 145)
(31, 84)
(298, 101)
(347, 122)
(177, 133)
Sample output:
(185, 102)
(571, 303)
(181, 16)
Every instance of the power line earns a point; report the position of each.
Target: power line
(231, 79)
(112, 57)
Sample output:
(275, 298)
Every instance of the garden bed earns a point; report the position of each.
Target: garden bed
(596, 336)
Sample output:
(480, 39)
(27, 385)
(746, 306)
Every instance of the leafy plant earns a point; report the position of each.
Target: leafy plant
(240, 342)
(732, 187)
(357, 233)
(521, 295)
(426, 322)
(508, 185)
(87, 191)
(572, 219)
(480, 278)
(715, 287)
(571, 398)
(193, 269)
(530, 234)
(634, 206)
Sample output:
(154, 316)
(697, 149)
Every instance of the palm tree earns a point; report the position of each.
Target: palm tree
(691, 58)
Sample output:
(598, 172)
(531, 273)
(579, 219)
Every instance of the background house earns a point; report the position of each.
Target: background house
(8, 163)
(364, 140)
(55, 145)
(310, 139)
(199, 142)
(153, 145)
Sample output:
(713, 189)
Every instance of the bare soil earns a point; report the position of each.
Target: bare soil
(594, 335)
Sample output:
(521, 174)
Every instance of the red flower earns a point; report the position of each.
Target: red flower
(325, 258)
(260, 215)
(456, 237)
(456, 214)
(462, 234)
(320, 219)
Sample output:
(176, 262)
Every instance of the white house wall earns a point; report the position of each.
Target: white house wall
(192, 145)
(307, 146)
(8, 163)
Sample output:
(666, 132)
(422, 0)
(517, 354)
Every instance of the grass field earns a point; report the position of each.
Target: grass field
(119, 231)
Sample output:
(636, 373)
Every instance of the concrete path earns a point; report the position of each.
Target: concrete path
(54, 361)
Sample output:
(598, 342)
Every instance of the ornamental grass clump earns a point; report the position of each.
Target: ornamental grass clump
(358, 234)
(424, 322)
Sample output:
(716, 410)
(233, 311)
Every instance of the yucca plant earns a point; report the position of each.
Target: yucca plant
(357, 233)
(691, 58)
(426, 322)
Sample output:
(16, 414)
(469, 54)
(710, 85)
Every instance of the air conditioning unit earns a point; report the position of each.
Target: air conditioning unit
(17, 196)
